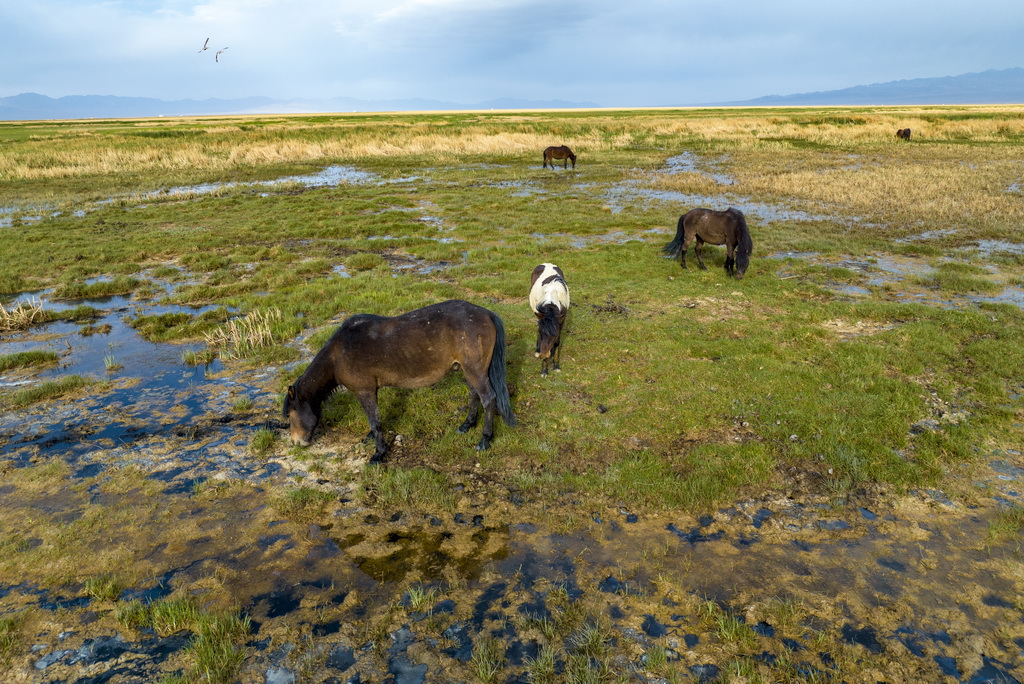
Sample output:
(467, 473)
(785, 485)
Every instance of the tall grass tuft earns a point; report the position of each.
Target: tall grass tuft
(488, 658)
(239, 338)
(22, 316)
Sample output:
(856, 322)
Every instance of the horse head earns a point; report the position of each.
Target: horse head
(302, 415)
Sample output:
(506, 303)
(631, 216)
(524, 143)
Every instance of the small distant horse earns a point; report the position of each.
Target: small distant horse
(549, 299)
(561, 152)
(413, 350)
(903, 134)
(727, 228)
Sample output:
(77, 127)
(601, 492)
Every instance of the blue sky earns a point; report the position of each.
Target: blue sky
(612, 53)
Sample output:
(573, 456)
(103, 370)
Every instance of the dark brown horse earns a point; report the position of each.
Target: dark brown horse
(727, 228)
(903, 134)
(560, 152)
(413, 350)
(549, 299)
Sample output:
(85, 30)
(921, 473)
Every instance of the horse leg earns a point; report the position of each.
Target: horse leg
(555, 354)
(480, 386)
(368, 400)
(697, 249)
(683, 250)
(730, 261)
(474, 410)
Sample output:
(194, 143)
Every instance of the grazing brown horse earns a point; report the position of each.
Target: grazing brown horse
(549, 299)
(561, 152)
(727, 228)
(413, 350)
(903, 134)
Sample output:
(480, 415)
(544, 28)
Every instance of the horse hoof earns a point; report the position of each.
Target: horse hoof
(484, 445)
(378, 458)
(464, 428)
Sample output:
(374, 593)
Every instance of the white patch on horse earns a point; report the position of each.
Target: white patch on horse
(548, 288)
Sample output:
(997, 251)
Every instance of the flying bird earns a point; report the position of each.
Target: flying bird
(206, 45)
(216, 57)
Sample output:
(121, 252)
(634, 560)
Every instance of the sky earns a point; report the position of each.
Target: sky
(613, 53)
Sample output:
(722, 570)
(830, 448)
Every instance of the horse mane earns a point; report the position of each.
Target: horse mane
(549, 322)
(744, 243)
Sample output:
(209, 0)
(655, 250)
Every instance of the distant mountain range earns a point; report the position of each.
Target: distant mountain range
(1004, 86)
(32, 106)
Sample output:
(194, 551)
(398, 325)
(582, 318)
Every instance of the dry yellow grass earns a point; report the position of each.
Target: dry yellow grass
(22, 316)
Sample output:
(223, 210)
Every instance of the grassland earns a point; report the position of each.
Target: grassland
(680, 389)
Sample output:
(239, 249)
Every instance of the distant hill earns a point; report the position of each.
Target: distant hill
(1004, 86)
(988, 87)
(32, 106)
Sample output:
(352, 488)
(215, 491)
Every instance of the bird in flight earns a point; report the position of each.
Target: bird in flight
(206, 45)
(216, 57)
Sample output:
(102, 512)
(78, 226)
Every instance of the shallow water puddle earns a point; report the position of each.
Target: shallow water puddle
(329, 177)
(151, 396)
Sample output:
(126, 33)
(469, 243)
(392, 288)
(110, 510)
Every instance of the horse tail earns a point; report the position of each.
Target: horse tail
(496, 372)
(673, 248)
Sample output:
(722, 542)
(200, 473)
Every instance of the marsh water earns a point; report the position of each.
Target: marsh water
(898, 590)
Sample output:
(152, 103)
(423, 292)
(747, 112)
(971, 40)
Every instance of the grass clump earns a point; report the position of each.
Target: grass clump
(391, 487)
(27, 359)
(216, 649)
(303, 504)
(10, 636)
(119, 285)
(364, 261)
(488, 658)
(105, 587)
(22, 316)
(200, 357)
(48, 390)
(244, 337)
(1007, 524)
(959, 278)
(262, 441)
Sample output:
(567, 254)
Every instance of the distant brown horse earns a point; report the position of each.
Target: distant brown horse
(413, 350)
(727, 228)
(903, 134)
(549, 300)
(561, 152)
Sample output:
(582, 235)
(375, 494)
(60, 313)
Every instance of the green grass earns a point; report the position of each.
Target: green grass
(119, 285)
(488, 658)
(1008, 523)
(387, 487)
(104, 587)
(303, 503)
(262, 441)
(216, 651)
(710, 389)
(27, 359)
(11, 640)
(45, 391)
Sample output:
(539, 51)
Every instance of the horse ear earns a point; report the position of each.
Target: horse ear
(291, 392)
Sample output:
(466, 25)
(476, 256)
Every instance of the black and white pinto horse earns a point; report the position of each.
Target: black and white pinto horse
(549, 299)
